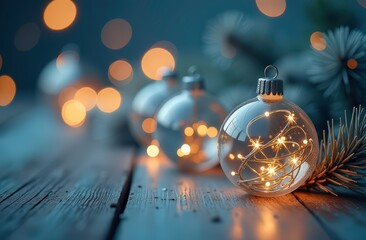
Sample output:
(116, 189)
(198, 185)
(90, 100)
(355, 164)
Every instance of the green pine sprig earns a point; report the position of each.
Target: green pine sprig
(342, 156)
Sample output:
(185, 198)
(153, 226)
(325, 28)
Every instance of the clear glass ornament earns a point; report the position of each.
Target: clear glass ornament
(188, 125)
(268, 146)
(147, 102)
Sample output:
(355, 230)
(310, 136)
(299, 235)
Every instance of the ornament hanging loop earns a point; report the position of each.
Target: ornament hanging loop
(268, 69)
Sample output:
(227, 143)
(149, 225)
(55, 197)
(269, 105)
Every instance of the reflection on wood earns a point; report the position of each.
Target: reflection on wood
(169, 204)
(343, 217)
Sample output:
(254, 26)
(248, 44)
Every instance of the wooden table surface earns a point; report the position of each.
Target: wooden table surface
(61, 183)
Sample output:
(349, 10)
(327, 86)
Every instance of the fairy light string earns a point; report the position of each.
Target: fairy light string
(274, 164)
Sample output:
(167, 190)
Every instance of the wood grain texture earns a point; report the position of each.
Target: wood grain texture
(167, 204)
(62, 186)
(343, 217)
(34, 134)
(58, 183)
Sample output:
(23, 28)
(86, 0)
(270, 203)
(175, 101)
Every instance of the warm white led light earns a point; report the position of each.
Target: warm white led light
(274, 142)
(275, 170)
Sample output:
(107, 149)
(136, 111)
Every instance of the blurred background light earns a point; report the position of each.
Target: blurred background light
(212, 132)
(155, 60)
(271, 8)
(188, 131)
(317, 41)
(120, 70)
(149, 125)
(109, 100)
(352, 63)
(125, 44)
(73, 113)
(59, 14)
(7, 90)
(116, 33)
(186, 149)
(152, 150)
(87, 96)
(202, 130)
(27, 37)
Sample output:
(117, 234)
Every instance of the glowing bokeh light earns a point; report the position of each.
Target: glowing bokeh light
(87, 96)
(155, 60)
(202, 130)
(186, 149)
(120, 70)
(73, 113)
(212, 132)
(317, 41)
(109, 100)
(59, 14)
(271, 8)
(116, 33)
(352, 63)
(188, 131)
(180, 153)
(149, 125)
(27, 37)
(152, 151)
(7, 90)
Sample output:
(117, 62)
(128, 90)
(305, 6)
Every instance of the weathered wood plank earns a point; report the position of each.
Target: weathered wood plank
(167, 204)
(62, 186)
(32, 134)
(343, 217)
(30, 142)
(76, 199)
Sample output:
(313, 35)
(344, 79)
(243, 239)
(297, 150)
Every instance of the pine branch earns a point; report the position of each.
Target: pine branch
(342, 156)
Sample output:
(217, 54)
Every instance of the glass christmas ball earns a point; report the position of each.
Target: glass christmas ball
(188, 124)
(268, 146)
(147, 102)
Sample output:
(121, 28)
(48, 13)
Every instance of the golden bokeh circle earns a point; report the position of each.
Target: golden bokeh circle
(59, 14)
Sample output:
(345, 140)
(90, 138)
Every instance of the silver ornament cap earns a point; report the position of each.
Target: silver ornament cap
(270, 85)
